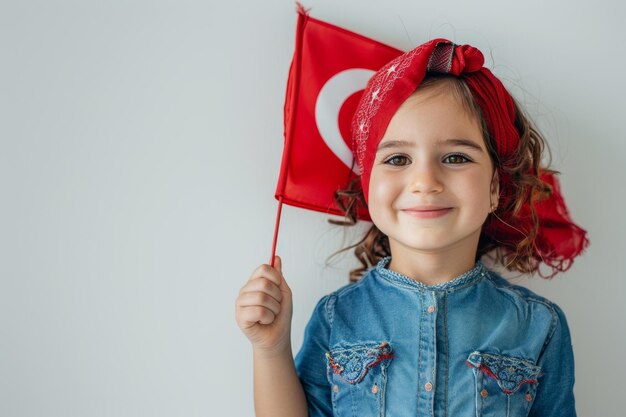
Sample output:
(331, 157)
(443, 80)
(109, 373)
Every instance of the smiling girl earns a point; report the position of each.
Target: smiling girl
(450, 171)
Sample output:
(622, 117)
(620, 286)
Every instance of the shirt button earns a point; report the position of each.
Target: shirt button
(335, 388)
(431, 309)
(375, 389)
(484, 393)
(528, 397)
(428, 387)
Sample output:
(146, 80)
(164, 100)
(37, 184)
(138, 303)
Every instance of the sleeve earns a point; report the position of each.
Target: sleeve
(311, 361)
(555, 393)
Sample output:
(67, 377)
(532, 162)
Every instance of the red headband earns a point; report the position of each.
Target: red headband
(559, 240)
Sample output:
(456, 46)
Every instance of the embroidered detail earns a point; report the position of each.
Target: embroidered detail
(352, 364)
(509, 372)
(381, 83)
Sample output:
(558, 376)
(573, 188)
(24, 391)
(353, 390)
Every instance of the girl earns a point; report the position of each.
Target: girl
(450, 170)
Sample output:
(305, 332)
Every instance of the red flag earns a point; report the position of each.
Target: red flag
(328, 74)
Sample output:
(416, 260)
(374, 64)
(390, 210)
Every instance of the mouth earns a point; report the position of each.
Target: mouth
(427, 212)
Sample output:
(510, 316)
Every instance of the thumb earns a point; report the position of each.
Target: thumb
(278, 264)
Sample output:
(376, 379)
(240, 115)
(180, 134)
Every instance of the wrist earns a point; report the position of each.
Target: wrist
(280, 351)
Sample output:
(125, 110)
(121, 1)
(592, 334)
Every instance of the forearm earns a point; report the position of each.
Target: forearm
(277, 389)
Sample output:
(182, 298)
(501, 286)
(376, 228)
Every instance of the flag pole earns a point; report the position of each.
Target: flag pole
(276, 227)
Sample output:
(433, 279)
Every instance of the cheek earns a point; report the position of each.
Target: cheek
(477, 188)
(381, 195)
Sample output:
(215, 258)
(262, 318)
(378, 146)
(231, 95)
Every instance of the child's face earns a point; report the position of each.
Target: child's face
(431, 185)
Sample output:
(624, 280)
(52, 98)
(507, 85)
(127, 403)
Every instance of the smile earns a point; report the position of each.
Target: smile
(427, 212)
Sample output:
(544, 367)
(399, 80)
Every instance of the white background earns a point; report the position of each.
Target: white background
(139, 151)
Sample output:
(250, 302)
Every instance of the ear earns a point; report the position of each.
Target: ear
(495, 188)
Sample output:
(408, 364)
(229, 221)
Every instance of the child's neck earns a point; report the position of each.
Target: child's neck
(430, 268)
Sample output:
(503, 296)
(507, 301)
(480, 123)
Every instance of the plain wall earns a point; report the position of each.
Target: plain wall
(140, 144)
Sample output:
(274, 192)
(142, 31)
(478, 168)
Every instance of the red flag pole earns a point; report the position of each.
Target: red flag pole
(302, 17)
(276, 226)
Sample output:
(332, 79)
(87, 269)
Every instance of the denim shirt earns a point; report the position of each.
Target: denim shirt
(475, 346)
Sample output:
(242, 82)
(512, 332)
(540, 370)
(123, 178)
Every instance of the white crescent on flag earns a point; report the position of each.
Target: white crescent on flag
(328, 104)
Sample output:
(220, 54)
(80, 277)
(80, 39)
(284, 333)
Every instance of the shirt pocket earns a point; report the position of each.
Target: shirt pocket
(358, 375)
(505, 386)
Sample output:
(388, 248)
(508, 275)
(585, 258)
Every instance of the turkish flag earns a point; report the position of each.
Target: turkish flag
(328, 74)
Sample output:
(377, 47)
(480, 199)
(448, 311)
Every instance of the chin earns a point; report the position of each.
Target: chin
(435, 242)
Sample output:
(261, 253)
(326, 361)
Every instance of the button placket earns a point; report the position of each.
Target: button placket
(428, 352)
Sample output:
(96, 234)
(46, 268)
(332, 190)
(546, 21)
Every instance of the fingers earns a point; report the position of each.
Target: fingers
(251, 315)
(264, 286)
(258, 302)
(260, 299)
(266, 271)
(264, 307)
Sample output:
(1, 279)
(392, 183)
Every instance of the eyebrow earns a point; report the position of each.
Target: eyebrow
(394, 144)
(451, 142)
(468, 143)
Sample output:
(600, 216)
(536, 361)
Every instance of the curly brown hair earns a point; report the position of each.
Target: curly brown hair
(523, 168)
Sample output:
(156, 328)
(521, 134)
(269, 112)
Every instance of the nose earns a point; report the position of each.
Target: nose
(425, 178)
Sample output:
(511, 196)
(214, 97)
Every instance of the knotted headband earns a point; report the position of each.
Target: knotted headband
(558, 240)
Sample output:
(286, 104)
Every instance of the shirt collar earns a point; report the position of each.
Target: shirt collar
(463, 280)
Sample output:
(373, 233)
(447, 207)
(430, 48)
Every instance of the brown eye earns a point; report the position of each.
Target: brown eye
(456, 159)
(397, 160)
